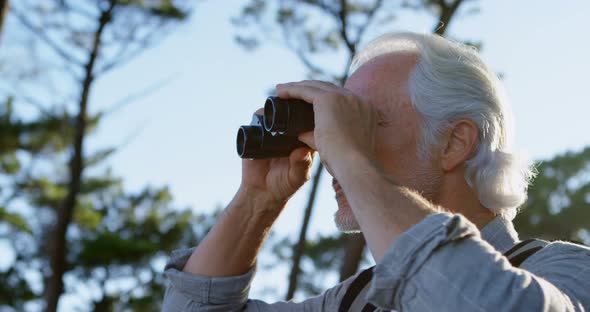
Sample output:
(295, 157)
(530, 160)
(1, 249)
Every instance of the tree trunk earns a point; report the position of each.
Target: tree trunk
(355, 245)
(299, 249)
(57, 239)
(3, 10)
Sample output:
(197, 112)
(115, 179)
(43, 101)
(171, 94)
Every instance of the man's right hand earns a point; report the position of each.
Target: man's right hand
(275, 180)
(232, 245)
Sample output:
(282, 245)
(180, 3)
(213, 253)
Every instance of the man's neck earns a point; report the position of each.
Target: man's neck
(456, 196)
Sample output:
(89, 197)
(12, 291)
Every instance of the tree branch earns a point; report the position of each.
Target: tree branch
(324, 7)
(57, 258)
(45, 38)
(125, 55)
(370, 15)
(3, 8)
(78, 10)
(446, 14)
(441, 3)
(29, 100)
(301, 55)
(342, 16)
(152, 88)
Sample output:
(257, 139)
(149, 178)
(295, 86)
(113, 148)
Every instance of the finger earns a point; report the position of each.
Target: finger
(298, 91)
(324, 85)
(300, 155)
(300, 161)
(307, 138)
(259, 111)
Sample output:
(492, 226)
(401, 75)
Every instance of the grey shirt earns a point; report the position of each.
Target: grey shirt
(443, 263)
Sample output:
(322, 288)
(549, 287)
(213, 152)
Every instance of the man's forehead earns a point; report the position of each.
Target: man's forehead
(383, 81)
(384, 69)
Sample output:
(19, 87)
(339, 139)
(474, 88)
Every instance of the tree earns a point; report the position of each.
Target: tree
(114, 235)
(87, 39)
(558, 204)
(314, 30)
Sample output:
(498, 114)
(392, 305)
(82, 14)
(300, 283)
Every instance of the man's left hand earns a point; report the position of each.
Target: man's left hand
(344, 122)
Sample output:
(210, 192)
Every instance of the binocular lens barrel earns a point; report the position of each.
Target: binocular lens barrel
(253, 142)
(274, 134)
(249, 141)
(288, 116)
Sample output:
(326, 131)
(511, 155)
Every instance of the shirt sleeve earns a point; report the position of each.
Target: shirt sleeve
(442, 264)
(193, 292)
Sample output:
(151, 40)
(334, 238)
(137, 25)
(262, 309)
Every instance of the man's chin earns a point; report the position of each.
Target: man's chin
(344, 218)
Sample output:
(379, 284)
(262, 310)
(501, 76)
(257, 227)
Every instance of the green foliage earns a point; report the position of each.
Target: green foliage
(14, 219)
(99, 156)
(10, 164)
(326, 251)
(324, 256)
(86, 216)
(43, 192)
(114, 234)
(121, 235)
(558, 205)
(14, 290)
(162, 8)
(47, 133)
(146, 226)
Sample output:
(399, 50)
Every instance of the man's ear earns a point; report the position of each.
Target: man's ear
(462, 140)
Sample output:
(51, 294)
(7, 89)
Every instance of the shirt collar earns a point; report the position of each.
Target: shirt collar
(500, 233)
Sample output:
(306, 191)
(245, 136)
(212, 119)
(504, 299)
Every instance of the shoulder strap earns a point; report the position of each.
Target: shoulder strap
(521, 251)
(354, 297)
(355, 288)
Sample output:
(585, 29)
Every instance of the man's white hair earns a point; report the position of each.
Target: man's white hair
(450, 82)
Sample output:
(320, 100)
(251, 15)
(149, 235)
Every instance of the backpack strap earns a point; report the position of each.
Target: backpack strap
(354, 298)
(521, 251)
(359, 285)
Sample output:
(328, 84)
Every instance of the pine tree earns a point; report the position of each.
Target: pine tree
(558, 204)
(72, 223)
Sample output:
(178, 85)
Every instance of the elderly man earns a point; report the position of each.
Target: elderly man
(418, 142)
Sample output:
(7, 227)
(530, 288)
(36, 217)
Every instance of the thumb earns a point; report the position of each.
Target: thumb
(307, 138)
(300, 162)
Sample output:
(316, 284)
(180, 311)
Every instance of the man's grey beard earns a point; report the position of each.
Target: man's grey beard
(423, 181)
(345, 221)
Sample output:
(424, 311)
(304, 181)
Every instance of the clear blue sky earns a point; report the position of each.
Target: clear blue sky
(184, 134)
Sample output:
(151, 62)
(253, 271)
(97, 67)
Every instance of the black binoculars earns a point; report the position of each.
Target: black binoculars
(274, 134)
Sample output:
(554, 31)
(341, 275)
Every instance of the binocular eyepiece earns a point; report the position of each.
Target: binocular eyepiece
(274, 134)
